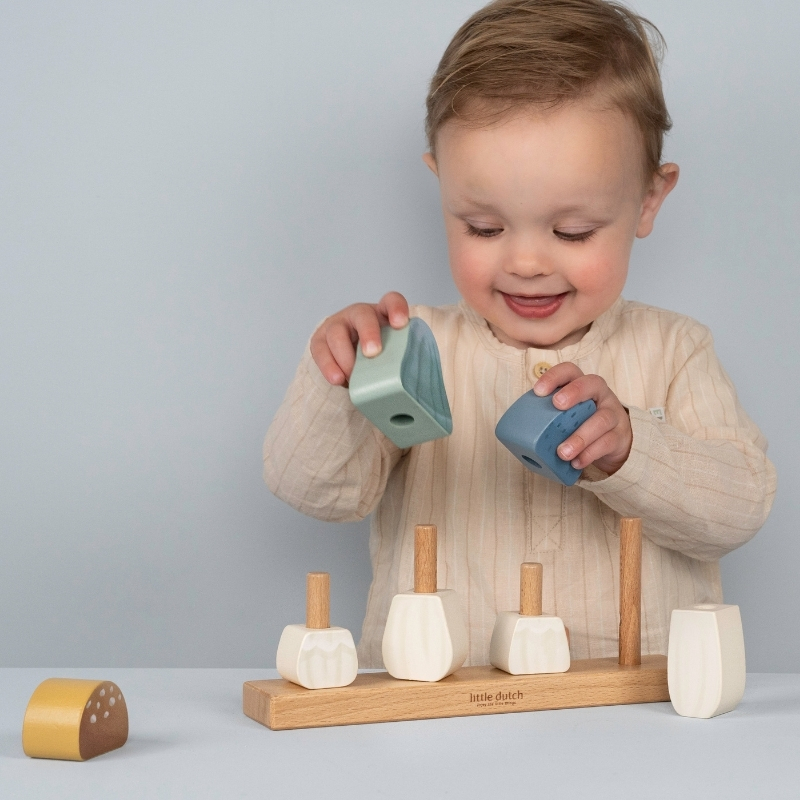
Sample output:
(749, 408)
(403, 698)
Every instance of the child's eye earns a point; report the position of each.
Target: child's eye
(484, 233)
(583, 236)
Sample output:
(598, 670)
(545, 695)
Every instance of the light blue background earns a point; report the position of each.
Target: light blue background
(187, 188)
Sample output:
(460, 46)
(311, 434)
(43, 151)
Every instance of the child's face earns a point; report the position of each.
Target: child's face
(541, 211)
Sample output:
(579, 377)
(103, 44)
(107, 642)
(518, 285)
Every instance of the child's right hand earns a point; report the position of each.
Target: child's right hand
(333, 345)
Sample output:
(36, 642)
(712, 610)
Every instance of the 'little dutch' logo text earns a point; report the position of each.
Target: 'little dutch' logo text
(489, 699)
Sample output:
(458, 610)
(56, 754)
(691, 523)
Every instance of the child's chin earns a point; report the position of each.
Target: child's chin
(541, 335)
(521, 336)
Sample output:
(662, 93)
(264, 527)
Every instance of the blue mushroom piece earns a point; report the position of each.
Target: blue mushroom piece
(533, 428)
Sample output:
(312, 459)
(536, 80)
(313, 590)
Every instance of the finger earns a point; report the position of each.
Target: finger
(595, 428)
(342, 348)
(596, 451)
(586, 387)
(556, 376)
(394, 308)
(365, 328)
(324, 359)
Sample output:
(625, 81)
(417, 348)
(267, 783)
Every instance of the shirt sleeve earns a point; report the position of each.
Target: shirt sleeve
(701, 480)
(321, 455)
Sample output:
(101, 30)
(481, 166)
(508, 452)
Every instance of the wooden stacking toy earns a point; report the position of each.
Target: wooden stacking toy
(401, 390)
(533, 428)
(74, 720)
(316, 655)
(426, 634)
(705, 660)
(630, 592)
(529, 642)
(379, 697)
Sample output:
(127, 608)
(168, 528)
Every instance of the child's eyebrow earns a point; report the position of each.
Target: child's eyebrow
(572, 209)
(466, 205)
(470, 204)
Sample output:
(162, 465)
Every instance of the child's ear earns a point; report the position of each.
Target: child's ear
(431, 162)
(663, 183)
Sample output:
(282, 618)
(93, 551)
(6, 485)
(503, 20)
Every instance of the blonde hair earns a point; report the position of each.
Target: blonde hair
(514, 54)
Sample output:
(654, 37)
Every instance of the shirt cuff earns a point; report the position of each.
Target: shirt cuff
(631, 472)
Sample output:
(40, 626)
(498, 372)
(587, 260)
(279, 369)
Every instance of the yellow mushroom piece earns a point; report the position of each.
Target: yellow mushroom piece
(74, 719)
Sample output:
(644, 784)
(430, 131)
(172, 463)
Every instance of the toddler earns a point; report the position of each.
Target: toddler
(545, 126)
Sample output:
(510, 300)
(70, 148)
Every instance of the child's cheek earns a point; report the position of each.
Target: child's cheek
(469, 268)
(603, 273)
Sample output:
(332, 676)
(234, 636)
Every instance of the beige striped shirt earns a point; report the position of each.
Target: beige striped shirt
(700, 479)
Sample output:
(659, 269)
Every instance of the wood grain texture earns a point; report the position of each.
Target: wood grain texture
(630, 591)
(530, 589)
(425, 555)
(318, 600)
(377, 697)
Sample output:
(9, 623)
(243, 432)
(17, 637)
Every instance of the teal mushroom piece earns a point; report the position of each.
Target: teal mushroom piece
(401, 390)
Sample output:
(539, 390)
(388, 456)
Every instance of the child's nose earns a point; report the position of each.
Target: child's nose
(527, 259)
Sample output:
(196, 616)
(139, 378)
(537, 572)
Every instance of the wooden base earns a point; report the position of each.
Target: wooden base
(377, 697)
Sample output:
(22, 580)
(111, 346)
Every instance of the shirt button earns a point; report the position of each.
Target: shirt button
(540, 369)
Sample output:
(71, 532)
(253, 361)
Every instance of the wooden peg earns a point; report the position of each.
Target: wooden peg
(425, 578)
(630, 591)
(530, 589)
(318, 600)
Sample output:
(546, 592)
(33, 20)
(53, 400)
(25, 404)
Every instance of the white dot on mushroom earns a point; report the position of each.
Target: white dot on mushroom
(93, 719)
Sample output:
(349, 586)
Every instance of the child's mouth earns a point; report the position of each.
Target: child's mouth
(537, 307)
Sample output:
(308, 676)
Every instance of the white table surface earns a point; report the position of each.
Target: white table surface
(189, 738)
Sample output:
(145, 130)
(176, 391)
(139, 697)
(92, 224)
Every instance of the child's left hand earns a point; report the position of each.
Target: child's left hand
(605, 438)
